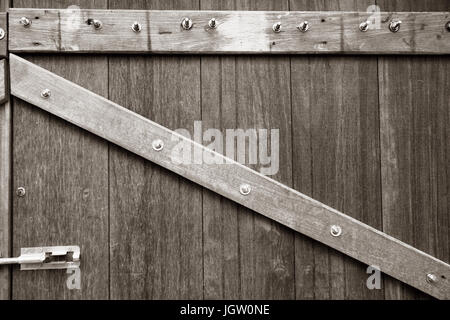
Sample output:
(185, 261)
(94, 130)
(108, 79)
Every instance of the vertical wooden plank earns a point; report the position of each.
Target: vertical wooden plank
(65, 173)
(220, 216)
(156, 217)
(5, 189)
(415, 156)
(339, 165)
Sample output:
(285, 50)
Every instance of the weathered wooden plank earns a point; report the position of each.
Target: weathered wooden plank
(415, 137)
(336, 152)
(156, 233)
(5, 182)
(236, 32)
(268, 197)
(3, 81)
(65, 173)
(4, 35)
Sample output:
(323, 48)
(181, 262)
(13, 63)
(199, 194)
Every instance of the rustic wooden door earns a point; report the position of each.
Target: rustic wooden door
(367, 135)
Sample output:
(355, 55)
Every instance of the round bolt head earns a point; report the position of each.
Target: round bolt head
(276, 27)
(136, 27)
(364, 26)
(447, 26)
(245, 189)
(394, 26)
(212, 23)
(25, 21)
(2, 34)
(186, 23)
(20, 192)
(46, 93)
(97, 24)
(304, 26)
(335, 230)
(431, 278)
(157, 145)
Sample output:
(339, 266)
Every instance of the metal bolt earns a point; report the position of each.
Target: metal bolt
(336, 230)
(157, 145)
(136, 27)
(394, 26)
(21, 192)
(25, 21)
(364, 26)
(2, 34)
(304, 26)
(245, 189)
(276, 27)
(97, 24)
(212, 23)
(46, 93)
(447, 26)
(186, 23)
(431, 278)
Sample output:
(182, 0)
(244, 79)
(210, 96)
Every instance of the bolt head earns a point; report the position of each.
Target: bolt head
(394, 26)
(304, 26)
(431, 278)
(136, 27)
(447, 26)
(186, 23)
(25, 21)
(2, 34)
(157, 145)
(276, 27)
(245, 189)
(21, 192)
(364, 26)
(335, 230)
(46, 93)
(97, 24)
(212, 23)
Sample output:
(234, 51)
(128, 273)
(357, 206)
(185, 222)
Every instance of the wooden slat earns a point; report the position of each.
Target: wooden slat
(237, 32)
(415, 149)
(4, 41)
(3, 81)
(268, 197)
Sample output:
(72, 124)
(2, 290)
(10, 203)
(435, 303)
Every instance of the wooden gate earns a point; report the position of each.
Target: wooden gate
(366, 134)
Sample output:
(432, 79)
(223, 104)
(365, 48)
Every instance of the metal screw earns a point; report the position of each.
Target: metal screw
(304, 26)
(431, 278)
(186, 23)
(157, 145)
(276, 27)
(336, 230)
(394, 26)
(447, 26)
(245, 189)
(364, 26)
(25, 21)
(46, 93)
(136, 27)
(97, 24)
(212, 23)
(2, 34)
(21, 192)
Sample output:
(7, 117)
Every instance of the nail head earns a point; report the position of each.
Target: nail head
(157, 145)
(21, 192)
(335, 230)
(245, 189)
(186, 23)
(46, 93)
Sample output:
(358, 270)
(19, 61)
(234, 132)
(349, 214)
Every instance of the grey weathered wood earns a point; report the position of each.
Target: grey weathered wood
(414, 111)
(336, 152)
(156, 216)
(268, 197)
(4, 41)
(3, 80)
(237, 32)
(65, 173)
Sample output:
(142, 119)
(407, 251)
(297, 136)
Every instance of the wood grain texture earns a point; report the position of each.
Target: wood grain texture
(268, 197)
(3, 80)
(65, 173)
(4, 41)
(156, 216)
(336, 152)
(5, 187)
(236, 32)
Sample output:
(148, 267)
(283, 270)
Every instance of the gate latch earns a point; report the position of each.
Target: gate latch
(42, 258)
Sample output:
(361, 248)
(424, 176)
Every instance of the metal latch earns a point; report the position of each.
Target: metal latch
(42, 258)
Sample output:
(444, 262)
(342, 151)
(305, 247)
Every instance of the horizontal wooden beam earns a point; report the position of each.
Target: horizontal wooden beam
(236, 32)
(267, 197)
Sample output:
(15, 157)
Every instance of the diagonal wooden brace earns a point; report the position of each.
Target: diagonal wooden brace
(232, 180)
